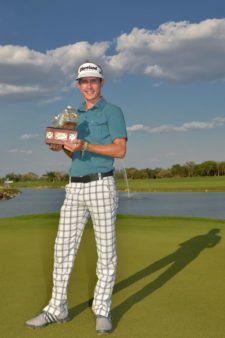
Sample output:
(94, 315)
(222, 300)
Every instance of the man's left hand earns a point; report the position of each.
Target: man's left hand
(74, 146)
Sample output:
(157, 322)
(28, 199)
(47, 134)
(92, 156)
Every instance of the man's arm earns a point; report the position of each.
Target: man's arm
(116, 149)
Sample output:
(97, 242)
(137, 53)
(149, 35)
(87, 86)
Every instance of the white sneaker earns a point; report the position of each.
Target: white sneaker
(45, 318)
(103, 324)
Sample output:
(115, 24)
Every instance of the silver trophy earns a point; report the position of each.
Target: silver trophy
(63, 127)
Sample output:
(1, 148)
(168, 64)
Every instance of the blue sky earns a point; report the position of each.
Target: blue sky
(163, 63)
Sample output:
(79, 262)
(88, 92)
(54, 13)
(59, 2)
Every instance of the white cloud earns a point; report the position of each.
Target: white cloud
(165, 128)
(176, 51)
(28, 136)
(138, 127)
(30, 75)
(69, 57)
(28, 152)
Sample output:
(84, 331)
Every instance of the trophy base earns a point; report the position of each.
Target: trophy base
(59, 135)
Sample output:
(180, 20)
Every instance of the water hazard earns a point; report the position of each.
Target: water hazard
(197, 204)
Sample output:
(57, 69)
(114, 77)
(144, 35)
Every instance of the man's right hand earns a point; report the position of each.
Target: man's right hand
(55, 147)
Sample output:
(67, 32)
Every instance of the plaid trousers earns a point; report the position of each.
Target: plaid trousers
(98, 199)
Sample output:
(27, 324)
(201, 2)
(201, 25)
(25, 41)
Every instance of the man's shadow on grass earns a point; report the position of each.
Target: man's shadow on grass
(177, 261)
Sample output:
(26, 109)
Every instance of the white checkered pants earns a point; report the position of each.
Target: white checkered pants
(98, 199)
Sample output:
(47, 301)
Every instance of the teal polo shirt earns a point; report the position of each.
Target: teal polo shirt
(99, 125)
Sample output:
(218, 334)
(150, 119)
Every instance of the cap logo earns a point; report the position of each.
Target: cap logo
(90, 67)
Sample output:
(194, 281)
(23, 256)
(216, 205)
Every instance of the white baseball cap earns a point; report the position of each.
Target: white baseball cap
(89, 69)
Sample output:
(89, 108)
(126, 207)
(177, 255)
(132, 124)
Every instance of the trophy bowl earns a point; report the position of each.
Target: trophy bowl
(64, 127)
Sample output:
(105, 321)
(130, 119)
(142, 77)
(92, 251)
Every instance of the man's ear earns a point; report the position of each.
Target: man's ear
(102, 83)
(77, 85)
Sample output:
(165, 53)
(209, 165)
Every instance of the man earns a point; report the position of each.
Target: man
(91, 192)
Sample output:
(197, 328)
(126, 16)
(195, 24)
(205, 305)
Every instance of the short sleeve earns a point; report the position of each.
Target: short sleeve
(116, 123)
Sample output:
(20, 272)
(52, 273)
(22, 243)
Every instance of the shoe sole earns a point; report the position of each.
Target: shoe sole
(42, 326)
(102, 332)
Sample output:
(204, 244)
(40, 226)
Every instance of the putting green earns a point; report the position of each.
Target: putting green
(170, 281)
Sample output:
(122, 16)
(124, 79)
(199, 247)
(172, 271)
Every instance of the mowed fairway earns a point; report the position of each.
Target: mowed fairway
(187, 184)
(170, 281)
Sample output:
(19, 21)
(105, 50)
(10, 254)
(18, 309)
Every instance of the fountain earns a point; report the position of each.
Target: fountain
(122, 163)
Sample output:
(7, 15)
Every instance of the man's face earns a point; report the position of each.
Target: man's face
(91, 87)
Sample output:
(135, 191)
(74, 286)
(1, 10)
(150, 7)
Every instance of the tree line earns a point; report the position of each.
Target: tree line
(50, 176)
(188, 169)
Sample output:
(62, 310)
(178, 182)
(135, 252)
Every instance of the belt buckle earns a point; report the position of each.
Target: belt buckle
(99, 176)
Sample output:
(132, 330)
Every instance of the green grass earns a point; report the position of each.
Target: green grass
(170, 282)
(8, 190)
(38, 184)
(214, 183)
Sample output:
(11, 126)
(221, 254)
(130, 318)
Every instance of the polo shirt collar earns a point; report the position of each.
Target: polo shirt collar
(99, 105)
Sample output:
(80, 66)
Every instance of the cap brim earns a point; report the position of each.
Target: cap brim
(89, 74)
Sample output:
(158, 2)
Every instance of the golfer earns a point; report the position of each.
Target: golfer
(91, 192)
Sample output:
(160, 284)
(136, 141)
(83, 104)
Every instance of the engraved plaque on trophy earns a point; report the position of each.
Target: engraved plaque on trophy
(63, 129)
